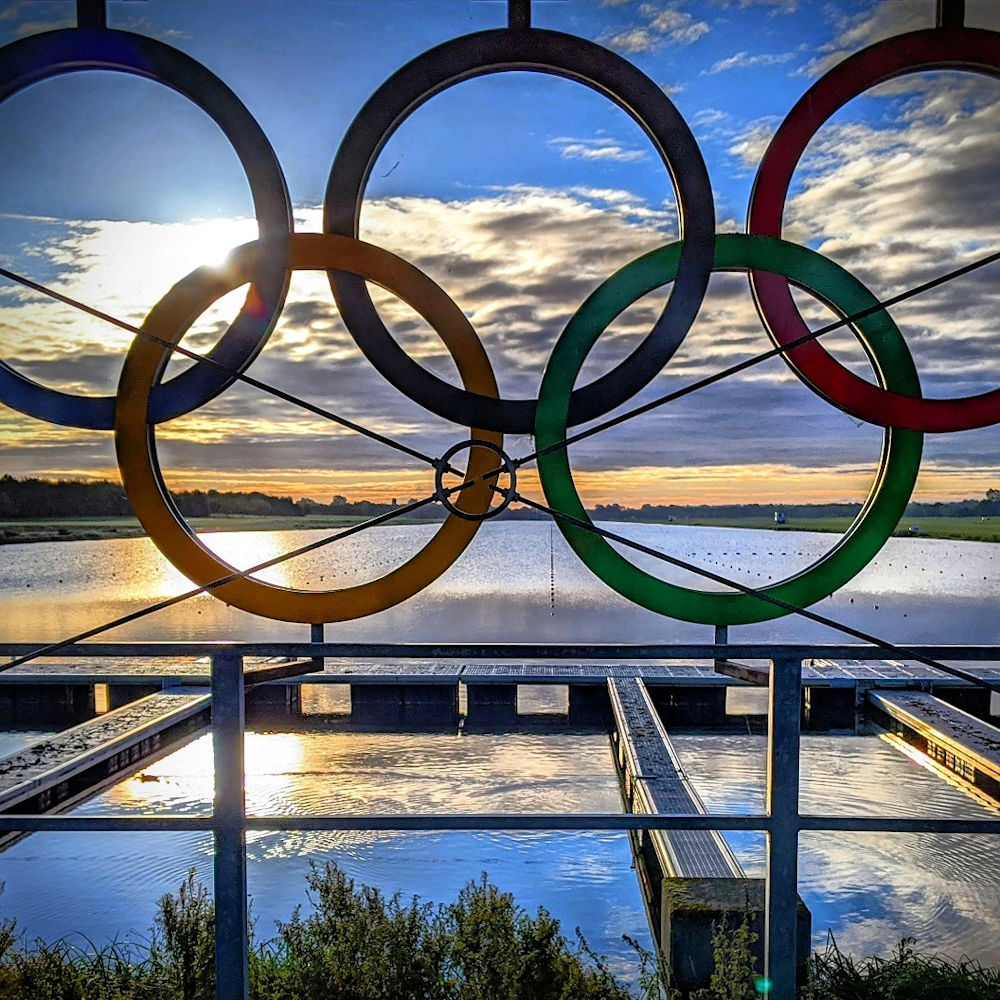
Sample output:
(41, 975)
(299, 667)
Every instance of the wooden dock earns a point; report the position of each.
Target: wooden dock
(692, 883)
(965, 745)
(58, 771)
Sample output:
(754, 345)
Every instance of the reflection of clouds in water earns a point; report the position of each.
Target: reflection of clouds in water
(584, 879)
(911, 885)
(320, 772)
(869, 889)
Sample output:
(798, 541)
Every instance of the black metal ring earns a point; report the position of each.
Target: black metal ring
(444, 495)
(40, 57)
(559, 55)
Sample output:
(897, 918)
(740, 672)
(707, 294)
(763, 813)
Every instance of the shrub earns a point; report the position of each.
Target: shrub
(355, 943)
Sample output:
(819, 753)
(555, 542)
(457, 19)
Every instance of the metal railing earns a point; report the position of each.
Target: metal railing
(781, 821)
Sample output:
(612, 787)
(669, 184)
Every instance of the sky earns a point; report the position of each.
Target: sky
(518, 193)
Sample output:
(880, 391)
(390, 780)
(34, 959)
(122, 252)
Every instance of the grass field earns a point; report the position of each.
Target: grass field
(972, 529)
(92, 529)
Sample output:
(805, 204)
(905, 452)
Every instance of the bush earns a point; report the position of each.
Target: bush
(904, 975)
(357, 944)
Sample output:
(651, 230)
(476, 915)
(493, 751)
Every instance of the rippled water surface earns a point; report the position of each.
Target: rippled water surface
(505, 587)
(107, 884)
(870, 890)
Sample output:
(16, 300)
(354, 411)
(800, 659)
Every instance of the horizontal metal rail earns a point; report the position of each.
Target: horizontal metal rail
(501, 821)
(507, 650)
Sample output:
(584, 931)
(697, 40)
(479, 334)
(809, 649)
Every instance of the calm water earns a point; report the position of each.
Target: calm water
(869, 889)
(917, 590)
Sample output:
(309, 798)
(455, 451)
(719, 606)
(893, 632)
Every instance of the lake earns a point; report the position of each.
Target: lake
(516, 582)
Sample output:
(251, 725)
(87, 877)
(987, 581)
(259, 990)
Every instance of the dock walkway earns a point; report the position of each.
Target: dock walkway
(868, 673)
(654, 782)
(343, 670)
(63, 768)
(833, 691)
(964, 744)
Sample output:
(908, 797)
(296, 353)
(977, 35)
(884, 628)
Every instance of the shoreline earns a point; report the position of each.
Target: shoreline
(970, 529)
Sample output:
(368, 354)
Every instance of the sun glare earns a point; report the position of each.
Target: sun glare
(208, 243)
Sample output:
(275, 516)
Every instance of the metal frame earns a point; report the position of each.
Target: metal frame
(781, 822)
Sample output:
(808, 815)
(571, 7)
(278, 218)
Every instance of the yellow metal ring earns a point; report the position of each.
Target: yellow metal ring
(135, 440)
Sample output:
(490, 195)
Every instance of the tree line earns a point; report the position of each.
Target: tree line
(36, 499)
(987, 506)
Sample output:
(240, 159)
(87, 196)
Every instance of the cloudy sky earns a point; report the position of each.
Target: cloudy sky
(518, 193)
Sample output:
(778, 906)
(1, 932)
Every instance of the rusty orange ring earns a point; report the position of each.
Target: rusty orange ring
(135, 440)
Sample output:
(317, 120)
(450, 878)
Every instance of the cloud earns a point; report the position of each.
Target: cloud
(743, 60)
(658, 27)
(777, 7)
(854, 31)
(519, 261)
(598, 148)
(22, 17)
(901, 205)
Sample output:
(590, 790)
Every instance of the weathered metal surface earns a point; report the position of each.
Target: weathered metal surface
(686, 672)
(654, 781)
(781, 878)
(229, 814)
(112, 737)
(963, 743)
(829, 672)
(134, 670)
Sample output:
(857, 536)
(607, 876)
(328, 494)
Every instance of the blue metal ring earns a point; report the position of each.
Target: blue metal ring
(40, 57)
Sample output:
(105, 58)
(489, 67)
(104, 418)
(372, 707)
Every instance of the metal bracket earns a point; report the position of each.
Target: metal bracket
(950, 13)
(91, 14)
(519, 14)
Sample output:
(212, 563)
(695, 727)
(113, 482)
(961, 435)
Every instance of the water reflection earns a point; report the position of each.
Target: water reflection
(869, 890)
(914, 591)
(114, 879)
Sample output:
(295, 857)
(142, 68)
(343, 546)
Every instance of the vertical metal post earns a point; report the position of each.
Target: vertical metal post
(518, 13)
(91, 14)
(229, 815)
(781, 891)
(316, 634)
(721, 639)
(950, 13)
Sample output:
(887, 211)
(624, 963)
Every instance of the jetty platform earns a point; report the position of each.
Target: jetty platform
(58, 771)
(964, 744)
(436, 690)
(691, 881)
(653, 781)
(148, 712)
(834, 692)
(390, 692)
(58, 692)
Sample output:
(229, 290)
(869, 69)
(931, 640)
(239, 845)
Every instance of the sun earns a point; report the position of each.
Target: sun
(207, 243)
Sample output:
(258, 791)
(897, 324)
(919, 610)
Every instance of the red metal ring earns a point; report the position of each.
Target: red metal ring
(956, 48)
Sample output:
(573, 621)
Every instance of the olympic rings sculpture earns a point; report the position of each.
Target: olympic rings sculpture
(144, 399)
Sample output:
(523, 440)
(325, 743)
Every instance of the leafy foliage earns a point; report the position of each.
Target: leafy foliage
(355, 943)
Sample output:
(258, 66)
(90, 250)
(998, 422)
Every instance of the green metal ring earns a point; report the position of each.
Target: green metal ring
(898, 465)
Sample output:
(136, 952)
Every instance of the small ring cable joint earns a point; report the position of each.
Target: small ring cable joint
(444, 493)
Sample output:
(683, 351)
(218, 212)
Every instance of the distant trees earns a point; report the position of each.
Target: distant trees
(37, 499)
(43, 498)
